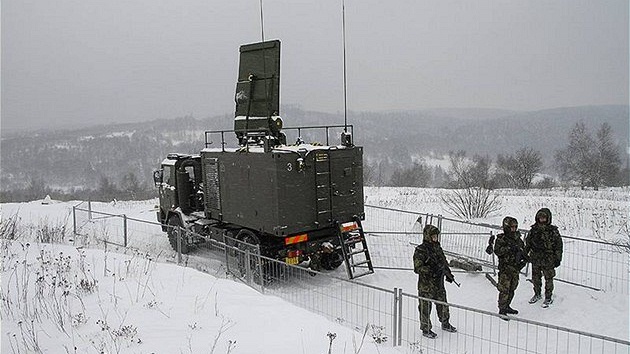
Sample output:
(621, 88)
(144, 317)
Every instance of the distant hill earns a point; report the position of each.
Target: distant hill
(392, 136)
(78, 158)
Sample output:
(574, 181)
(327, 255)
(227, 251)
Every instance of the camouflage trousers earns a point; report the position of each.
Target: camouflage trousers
(508, 282)
(424, 307)
(537, 274)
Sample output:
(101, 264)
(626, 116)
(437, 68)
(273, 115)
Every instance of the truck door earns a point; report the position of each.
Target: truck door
(168, 196)
(346, 185)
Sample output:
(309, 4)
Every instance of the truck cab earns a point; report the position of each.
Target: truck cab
(180, 186)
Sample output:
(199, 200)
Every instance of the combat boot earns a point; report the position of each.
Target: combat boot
(429, 333)
(535, 298)
(511, 311)
(446, 326)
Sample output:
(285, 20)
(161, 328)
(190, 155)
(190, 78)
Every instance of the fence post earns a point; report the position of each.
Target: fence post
(248, 267)
(259, 265)
(395, 318)
(74, 220)
(179, 245)
(494, 266)
(400, 311)
(89, 210)
(125, 230)
(227, 260)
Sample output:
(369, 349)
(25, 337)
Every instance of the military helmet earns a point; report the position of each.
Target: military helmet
(508, 222)
(428, 231)
(543, 212)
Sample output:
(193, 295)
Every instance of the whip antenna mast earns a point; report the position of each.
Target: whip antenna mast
(345, 100)
(262, 24)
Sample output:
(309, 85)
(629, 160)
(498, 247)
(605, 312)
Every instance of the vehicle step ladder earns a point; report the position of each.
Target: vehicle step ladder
(354, 249)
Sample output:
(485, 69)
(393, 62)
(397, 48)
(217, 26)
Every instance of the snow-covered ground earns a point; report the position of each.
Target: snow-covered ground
(590, 214)
(130, 303)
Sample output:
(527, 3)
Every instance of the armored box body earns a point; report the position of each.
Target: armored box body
(290, 190)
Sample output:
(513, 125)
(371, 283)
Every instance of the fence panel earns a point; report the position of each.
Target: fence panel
(146, 235)
(591, 263)
(392, 233)
(93, 226)
(360, 306)
(485, 332)
(243, 261)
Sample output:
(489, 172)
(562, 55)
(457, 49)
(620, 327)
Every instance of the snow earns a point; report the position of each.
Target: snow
(150, 306)
(127, 134)
(165, 309)
(591, 214)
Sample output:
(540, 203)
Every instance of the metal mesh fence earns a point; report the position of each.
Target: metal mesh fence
(485, 332)
(92, 226)
(387, 316)
(356, 305)
(394, 233)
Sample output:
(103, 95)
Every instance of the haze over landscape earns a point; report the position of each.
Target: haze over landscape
(461, 113)
(68, 64)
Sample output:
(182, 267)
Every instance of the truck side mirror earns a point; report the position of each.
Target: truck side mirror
(157, 177)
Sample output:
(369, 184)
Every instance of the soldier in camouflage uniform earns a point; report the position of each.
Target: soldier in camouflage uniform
(509, 248)
(543, 245)
(432, 268)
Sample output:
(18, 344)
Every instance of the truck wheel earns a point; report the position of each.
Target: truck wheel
(175, 228)
(255, 262)
(248, 236)
(331, 261)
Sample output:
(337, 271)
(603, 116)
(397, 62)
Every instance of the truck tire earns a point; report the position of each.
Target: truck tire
(332, 261)
(248, 236)
(175, 227)
(256, 263)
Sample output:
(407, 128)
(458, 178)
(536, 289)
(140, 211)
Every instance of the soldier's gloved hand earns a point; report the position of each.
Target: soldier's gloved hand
(450, 278)
(556, 264)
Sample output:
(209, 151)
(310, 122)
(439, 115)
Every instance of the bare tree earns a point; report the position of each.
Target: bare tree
(519, 170)
(607, 161)
(419, 175)
(590, 162)
(106, 189)
(465, 173)
(574, 162)
(369, 174)
(472, 196)
(130, 185)
(471, 203)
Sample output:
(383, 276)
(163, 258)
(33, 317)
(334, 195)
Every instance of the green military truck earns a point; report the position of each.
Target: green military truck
(301, 203)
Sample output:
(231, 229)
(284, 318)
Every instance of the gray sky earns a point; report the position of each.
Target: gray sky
(84, 62)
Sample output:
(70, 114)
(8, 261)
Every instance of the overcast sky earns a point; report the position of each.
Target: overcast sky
(84, 62)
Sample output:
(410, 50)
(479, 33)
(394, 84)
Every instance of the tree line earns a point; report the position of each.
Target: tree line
(587, 161)
(129, 187)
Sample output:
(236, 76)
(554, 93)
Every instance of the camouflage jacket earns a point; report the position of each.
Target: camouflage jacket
(430, 263)
(543, 245)
(509, 248)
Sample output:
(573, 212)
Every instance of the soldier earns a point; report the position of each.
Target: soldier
(509, 248)
(543, 246)
(431, 266)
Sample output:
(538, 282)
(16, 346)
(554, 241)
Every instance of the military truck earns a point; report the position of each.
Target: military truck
(302, 203)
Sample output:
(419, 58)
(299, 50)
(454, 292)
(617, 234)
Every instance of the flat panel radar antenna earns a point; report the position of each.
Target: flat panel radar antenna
(257, 115)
